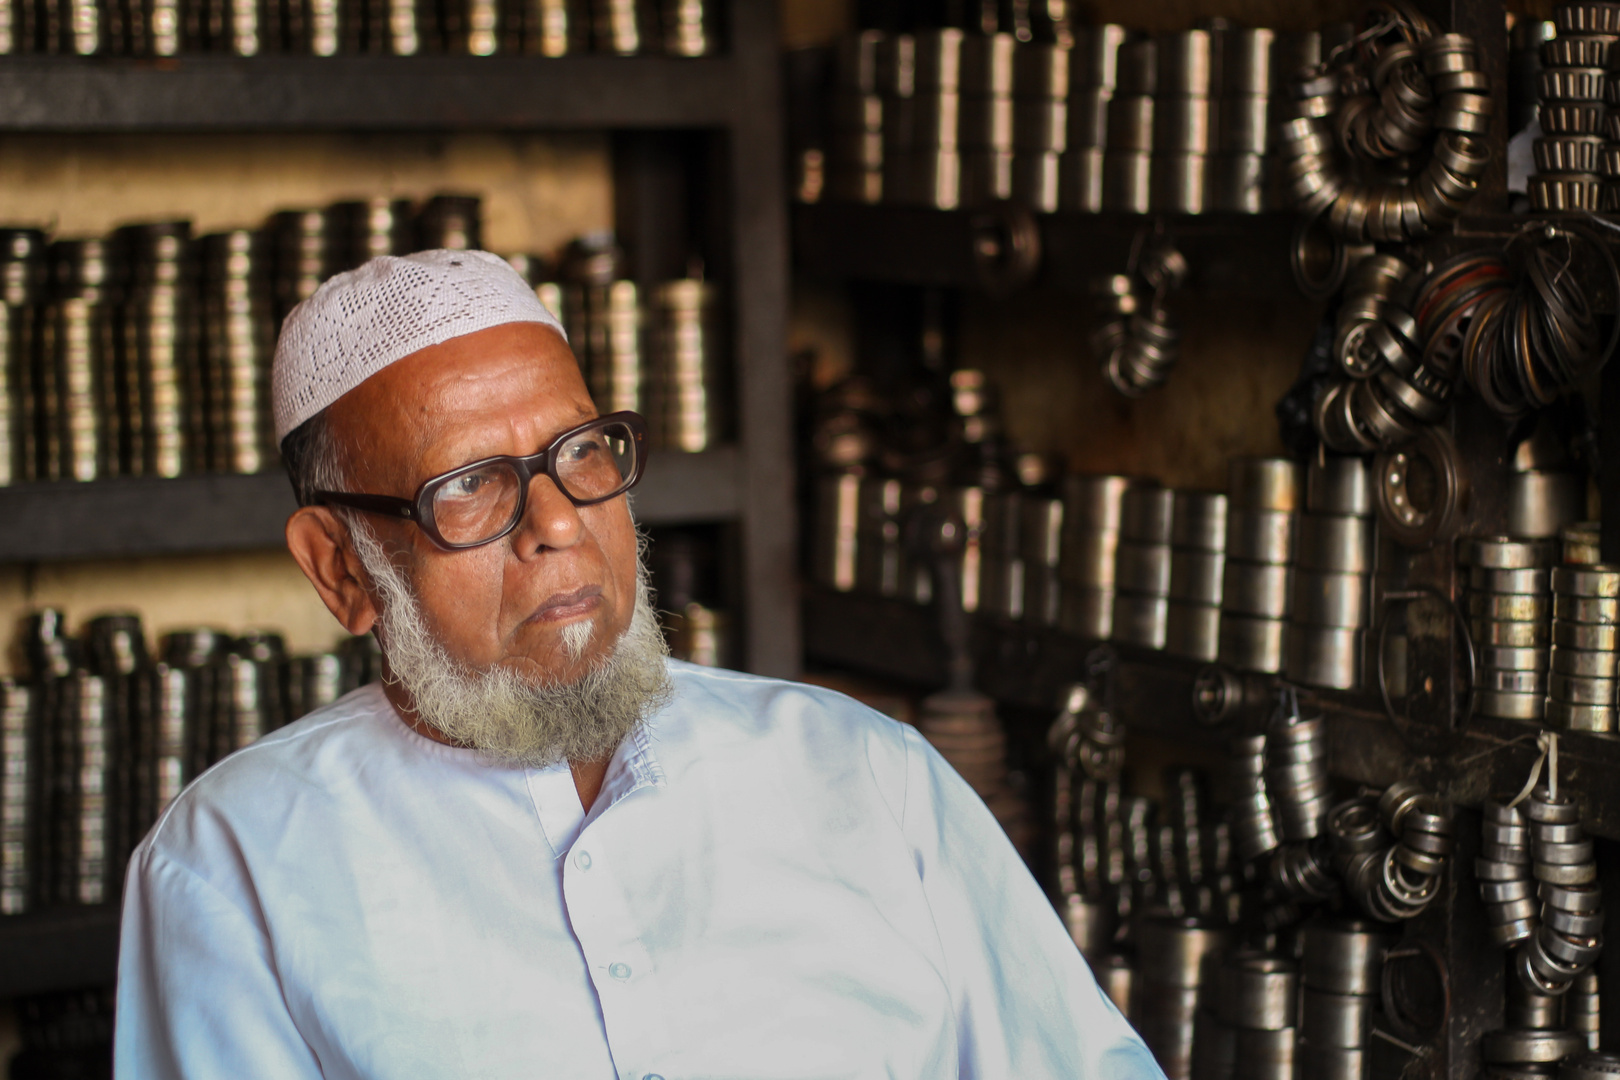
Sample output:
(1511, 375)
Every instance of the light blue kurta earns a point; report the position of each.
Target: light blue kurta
(775, 882)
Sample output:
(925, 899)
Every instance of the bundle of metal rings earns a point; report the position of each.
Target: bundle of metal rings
(1380, 108)
(1537, 877)
(1296, 775)
(1254, 832)
(1138, 342)
(1394, 388)
(1392, 881)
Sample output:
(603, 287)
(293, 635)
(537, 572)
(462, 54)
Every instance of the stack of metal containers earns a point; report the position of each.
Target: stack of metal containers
(1092, 511)
(238, 342)
(1509, 601)
(1043, 559)
(923, 123)
(72, 383)
(19, 757)
(1171, 955)
(1254, 827)
(157, 336)
(1585, 637)
(552, 28)
(687, 349)
(987, 118)
(1093, 72)
(1197, 571)
(1142, 566)
(1183, 121)
(22, 279)
(1002, 589)
(857, 138)
(1263, 496)
(1342, 974)
(102, 735)
(1255, 999)
(1041, 78)
(1571, 87)
(1243, 121)
(1128, 160)
(1333, 564)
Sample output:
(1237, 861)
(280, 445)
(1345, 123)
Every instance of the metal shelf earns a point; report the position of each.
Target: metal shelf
(60, 949)
(1231, 254)
(1029, 668)
(374, 93)
(190, 514)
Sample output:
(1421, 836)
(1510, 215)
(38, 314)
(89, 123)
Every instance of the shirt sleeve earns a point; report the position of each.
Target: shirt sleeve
(198, 994)
(1027, 1005)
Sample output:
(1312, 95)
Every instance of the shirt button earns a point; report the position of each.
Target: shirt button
(620, 971)
(583, 860)
(652, 1076)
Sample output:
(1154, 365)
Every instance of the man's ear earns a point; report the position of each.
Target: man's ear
(320, 543)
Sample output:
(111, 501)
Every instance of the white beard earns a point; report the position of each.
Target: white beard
(513, 719)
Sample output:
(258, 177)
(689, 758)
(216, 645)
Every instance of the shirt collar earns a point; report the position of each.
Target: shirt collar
(556, 800)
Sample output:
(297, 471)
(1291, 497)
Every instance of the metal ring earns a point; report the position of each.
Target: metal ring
(1400, 1020)
(1006, 246)
(1418, 592)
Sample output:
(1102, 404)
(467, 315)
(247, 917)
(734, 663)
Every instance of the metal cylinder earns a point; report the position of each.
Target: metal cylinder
(1261, 536)
(1197, 576)
(1192, 630)
(1143, 567)
(1250, 588)
(1328, 598)
(1180, 182)
(1345, 957)
(1087, 613)
(1339, 484)
(1127, 181)
(1542, 503)
(1198, 520)
(1140, 619)
(1171, 949)
(686, 337)
(1339, 542)
(1252, 644)
(1329, 1019)
(1146, 514)
(1257, 992)
(1263, 483)
(1265, 1055)
(1324, 656)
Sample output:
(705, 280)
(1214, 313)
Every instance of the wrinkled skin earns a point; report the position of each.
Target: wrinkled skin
(505, 390)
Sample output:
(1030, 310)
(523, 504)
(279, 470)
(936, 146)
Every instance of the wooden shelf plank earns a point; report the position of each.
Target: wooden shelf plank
(60, 949)
(1231, 254)
(423, 93)
(191, 514)
(1029, 667)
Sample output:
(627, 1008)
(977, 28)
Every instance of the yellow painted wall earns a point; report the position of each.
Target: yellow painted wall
(538, 191)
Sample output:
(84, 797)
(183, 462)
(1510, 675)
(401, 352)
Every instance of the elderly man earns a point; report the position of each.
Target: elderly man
(539, 848)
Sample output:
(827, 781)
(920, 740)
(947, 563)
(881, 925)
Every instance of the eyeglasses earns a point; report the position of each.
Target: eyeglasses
(483, 501)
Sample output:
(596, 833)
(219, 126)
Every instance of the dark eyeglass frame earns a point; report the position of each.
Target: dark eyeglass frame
(419, 508)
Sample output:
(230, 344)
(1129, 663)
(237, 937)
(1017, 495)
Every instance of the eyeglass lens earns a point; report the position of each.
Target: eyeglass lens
(477, 506)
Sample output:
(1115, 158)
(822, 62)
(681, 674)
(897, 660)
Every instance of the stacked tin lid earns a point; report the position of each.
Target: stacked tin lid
(1171, 953)
(75, 374)
(18, 819)
(1333, 563)
(1041, 78)
(157, 352)
(1093, 71)
(1263, 496)
(1183, 121)
(1092, 511)
(1342, 974)
(987, 117)
(1296, 775)
(924, 136)
(1508, 608)
(857, 135)
(303, 253)
(687, 355)
(237, 346)
(1002, 591)
(1043, 559)
(363, 229)
(1255, 999)
(1142, 566)
(23, 277)
(254, 686)
(1253, 825)
(1197, 570)
(1571, 152)
(1238, 170)
(1585, 637)
(1127, 163)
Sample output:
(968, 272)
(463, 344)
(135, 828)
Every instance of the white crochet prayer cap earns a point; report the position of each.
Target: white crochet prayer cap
(360, 321)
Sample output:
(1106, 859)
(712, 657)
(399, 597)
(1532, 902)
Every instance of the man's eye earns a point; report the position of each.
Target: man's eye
(581, 450)
(467, 485)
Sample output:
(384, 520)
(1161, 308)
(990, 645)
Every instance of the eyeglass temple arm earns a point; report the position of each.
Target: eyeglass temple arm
(376, 504)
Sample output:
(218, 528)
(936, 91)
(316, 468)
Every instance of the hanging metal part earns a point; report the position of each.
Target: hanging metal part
(1420, 490)
(1420, 592)
(1137, 341)
(1006, 246)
